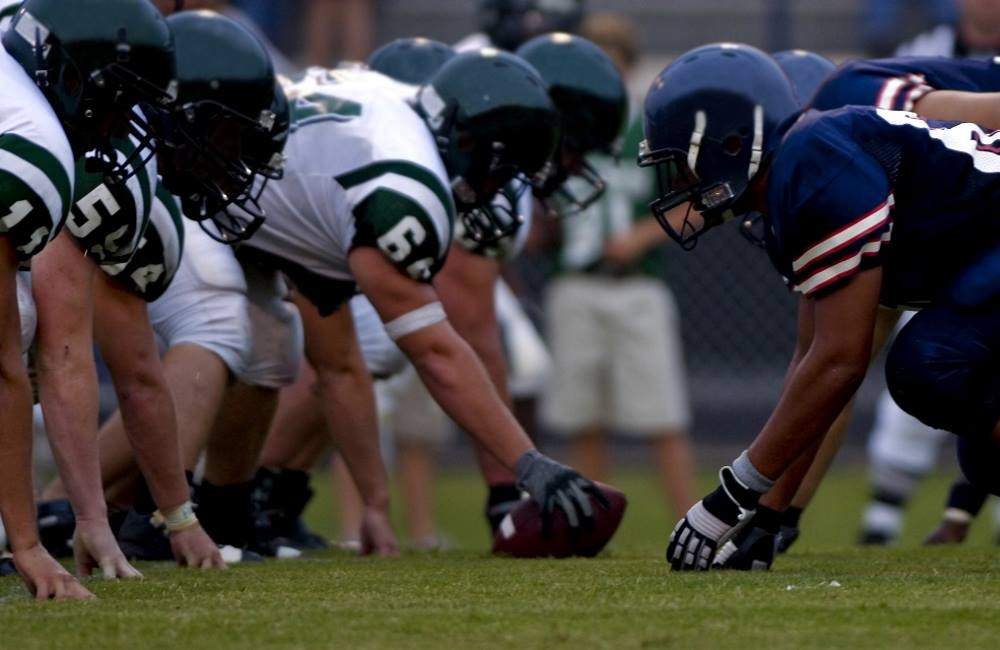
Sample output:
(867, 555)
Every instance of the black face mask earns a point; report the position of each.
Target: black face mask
(234, 210)
(560, 200)
(489, 222)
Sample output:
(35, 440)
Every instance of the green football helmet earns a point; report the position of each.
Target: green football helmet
(410, 60)
(94, 60)
(590, 94)
(493, 121)
(226, 128)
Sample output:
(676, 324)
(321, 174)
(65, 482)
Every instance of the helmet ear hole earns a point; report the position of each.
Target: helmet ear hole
(465, 143)
(733, 145)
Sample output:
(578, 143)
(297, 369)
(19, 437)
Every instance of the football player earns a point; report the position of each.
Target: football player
(385, 225)
(297, 439)
(935, 88)
(228, 129)
(590, 96)
(71, 82)
(894, 214)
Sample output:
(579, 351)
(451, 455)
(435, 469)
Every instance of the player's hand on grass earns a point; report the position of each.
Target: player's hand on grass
(45, 578)
(553, 485)
(377, 537)
(710, 523)
(95, 547)
(193, 548)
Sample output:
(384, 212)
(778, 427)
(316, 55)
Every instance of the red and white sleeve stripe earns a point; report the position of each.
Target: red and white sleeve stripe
(812, 274)
(902, 93)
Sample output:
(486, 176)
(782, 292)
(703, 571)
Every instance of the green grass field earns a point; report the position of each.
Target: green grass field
(904, 597)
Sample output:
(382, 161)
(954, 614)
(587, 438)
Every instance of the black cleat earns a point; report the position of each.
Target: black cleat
(786, 537)
(280, 497)
(876, 538)
(7, 567)
(139, 539)
(56, 524)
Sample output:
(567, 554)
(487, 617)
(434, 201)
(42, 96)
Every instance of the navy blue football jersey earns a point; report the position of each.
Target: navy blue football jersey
(857, 187)
(897, 84)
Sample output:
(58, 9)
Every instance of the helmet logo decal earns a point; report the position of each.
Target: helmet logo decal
(700, 122)
(757, 149)
(31, 30)
(123, 51)
(433, 106)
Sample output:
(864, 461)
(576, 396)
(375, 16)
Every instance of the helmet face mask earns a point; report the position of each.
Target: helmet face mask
(572, 187)
(204, 160)
(677, 185)
(221, 141)
(486, 174)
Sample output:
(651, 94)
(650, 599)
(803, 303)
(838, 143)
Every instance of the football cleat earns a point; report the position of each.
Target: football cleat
(56, 523)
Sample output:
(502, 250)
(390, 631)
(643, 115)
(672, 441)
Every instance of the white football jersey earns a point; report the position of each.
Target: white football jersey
(7, 10)
(362, 169)
(35, 161)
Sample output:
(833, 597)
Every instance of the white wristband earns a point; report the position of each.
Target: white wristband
(176, 519)
(430, 314)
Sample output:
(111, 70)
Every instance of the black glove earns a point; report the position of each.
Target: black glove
(752, 549)
(786, 538)
(553, 485)
(710, 523)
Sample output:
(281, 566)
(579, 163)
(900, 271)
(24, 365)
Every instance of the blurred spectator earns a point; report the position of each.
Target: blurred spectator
(337, 30)
(884, 19)
(612, 321)
(975, 33)
(506, 24)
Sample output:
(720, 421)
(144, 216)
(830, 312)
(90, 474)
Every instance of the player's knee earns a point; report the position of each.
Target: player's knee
(979, 458)
(940, 382)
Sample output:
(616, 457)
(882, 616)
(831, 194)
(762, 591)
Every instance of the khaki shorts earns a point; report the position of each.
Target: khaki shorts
(408, 413)
(617, 357)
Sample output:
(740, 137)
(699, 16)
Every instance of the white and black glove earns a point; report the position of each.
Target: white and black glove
(710, 523)
(553, 485)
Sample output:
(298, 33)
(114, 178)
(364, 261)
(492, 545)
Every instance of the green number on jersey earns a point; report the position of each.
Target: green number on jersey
(316, 107)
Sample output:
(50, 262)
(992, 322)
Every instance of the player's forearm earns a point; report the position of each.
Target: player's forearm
(151, 426)
(460, 385)
(649, 234)
(17, 503)
(128, 347)
(69, 397)
(483, 337)
(817, 391)
(348, 405)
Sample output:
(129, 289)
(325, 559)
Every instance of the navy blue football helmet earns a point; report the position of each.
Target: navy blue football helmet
(806, 70)
(712, 120)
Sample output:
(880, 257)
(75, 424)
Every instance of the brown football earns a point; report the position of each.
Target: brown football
(520, 532)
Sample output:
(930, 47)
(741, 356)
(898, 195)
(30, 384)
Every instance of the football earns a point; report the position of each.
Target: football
(520, 532)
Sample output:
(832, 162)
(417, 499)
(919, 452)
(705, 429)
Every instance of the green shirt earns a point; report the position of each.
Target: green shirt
(630, 189)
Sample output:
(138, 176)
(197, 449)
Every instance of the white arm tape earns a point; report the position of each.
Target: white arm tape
(430, 314)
